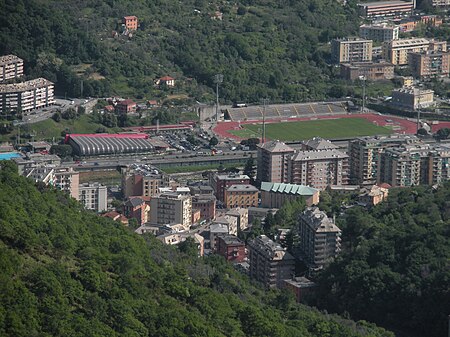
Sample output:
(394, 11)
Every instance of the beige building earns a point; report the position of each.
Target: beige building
(319, 169)
(241, 214)
(365, 155)
(11, 67)
(93, 196)
(412, 98)
(142, 181)
(350, 50)
(26, 96)
(273, 159)
(373, 71)
(386, 8)
(274, 195)
(241, 196)
(397, 51)
(374, 195)
(429, 64)
(66, 179)
(270, 264)
(177, 238)
(320, 240)
(170, 207)
(381, 33)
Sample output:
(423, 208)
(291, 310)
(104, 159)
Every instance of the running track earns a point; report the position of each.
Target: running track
(402, 125)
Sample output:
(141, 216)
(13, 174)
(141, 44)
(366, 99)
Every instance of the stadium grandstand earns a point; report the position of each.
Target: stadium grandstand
(164, 128)
(284, 111)
(108, 144)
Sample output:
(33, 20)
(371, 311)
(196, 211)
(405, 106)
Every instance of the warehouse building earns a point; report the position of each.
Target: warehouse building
(108, 144)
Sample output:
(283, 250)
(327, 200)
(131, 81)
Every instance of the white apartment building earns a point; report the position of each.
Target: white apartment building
(352, 49)
(11, 67)
(26, 96)
(171, 207)
(380, 33)
(93, 196)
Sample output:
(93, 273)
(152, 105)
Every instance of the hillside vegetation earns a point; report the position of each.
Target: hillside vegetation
(68, 272)
(265, 48)
(395, 266)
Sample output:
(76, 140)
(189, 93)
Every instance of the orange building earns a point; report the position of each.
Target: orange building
(130, 22)
(241, 196)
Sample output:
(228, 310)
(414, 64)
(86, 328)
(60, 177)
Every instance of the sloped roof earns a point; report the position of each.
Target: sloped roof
(288, 188)
(317, 155)
(276, 146)
(318, 143)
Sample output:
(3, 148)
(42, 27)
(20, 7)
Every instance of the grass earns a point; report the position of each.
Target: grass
(108, 178)
(185, 169)
(326, 128)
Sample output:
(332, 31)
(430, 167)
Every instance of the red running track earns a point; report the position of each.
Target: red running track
(402, 125)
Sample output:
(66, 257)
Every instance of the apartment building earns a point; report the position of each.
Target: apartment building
(429, 64)
(386, 8)
(93, 196)
(373, 71)
(231, 248)
(170, 208)
(365, 155)
(142, 180)
(440, 3)
(221, 182)
(126, 106)
(241, 215)
(380, 33)
(317, 143)
(136, 208)
(270, 264)
(130, 22)
(26, 96)
(319, 236)
(11, 67)
(396, 52)
(319, 169)
(438, 164)
(411, 98)
(177, 238)
(272, 162)
(241, 196)
(350, 50)
(68, 180)
(206, 203)
(274, 195)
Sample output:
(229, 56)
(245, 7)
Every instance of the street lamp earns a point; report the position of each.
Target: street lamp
(218, 78)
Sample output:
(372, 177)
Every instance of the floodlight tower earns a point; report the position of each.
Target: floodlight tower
(363, 79)
(218, 78)
(265, 101)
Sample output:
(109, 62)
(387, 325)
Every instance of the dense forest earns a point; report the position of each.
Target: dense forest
(266, 48)
(69, 272)
(395, 265)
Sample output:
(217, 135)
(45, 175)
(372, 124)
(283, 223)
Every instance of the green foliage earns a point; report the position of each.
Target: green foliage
(213, 141)
(63, 150)
(394, 269)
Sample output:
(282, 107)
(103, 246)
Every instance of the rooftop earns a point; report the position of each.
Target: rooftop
(270, 249)
(7, 59)
(24, 86)
(318, 220)
(230, 239)
(232, 176)
(317, 155)
(242, 188)
(384, 3)
(276, 146)
(288, 188)
(318, 143)
(408, 42)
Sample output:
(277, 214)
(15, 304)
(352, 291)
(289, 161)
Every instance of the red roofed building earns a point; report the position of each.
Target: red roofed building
(116, 217)
(109, 108)
(137, 208)
(167, 80)
(126, 106)
(130, 22)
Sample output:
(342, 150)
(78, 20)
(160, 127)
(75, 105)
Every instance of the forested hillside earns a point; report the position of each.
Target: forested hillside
(395, 266)
(265, 48)
(68, 272)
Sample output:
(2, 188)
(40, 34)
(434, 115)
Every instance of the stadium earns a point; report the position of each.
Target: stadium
(289, 122)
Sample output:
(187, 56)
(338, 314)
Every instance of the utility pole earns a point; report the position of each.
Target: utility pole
(218, 78)
(363, 79)
(265, 101)
(418, 111)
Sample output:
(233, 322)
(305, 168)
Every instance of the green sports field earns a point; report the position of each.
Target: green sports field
(325, 128)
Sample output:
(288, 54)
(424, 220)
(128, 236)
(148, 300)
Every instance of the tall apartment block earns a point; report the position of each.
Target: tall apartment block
(171, 208)
(93, 196)
(273, 159)
(142, 180)
(351, 50)
(320, 240)
(365, 155)
(397, 51)
(26, 96)
(373, 71)
(68, 180)
(380, 33)
(11, 67)
(429, 64)
(221, 182)
(319, 169)
(270, 264)
(385, 8)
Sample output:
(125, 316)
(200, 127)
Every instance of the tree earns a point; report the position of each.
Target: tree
(70, 113)
(189, 247)
(57, 117)
(63, 150)
(249, 169)
(213, 141)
